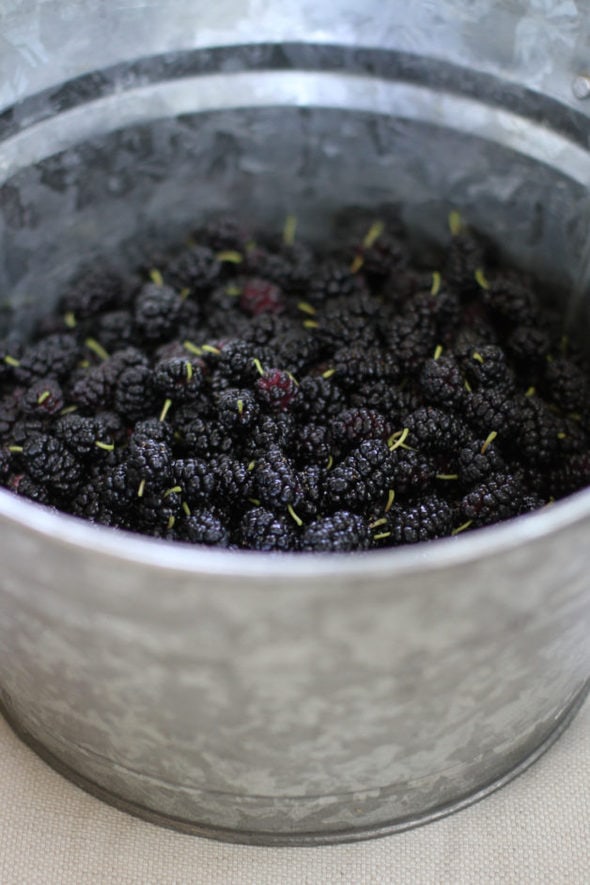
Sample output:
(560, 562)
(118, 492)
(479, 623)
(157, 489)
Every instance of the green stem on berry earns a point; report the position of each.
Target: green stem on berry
(436, 283)
(378, 522)
(373, 234)
(356, 263)
(192, 348)
(447, 476)
(398, 439)
(390, 500)
(328, 373)
(186, 508)
(106, 447)
(289, 230)
(294, 516)
(171, 521)
(381, 536)
(141, 489)
(455, 223)
(156, 277)
(11, 361)
(97, 348)
(43, 397)
(480, 279)
(209, 348)
(489, 439)
(230, 256)
(310, 324)
(477, 357)
(173, 491)
(462, 528)
(165, 409)
(305, 307)
(70, 319)
(15, 449)
(438, 351)
(258, 365)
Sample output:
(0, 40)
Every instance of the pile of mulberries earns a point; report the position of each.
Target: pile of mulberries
(252, 393)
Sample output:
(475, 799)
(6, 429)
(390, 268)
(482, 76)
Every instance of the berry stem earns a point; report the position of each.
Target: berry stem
(373, 234)
(455, 223)
(192, 348)
(398, 439)
(294, 516)
(390, 500)
(97, 348)
(229, 256)
(480, 279)
(489, 439)
(356, 263)
(165, 409)
(289, 230)
(173, 491)
(462, 527)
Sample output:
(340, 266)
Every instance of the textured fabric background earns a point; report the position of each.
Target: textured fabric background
(536, 830)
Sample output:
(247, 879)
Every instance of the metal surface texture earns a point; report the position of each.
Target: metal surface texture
(290, 698)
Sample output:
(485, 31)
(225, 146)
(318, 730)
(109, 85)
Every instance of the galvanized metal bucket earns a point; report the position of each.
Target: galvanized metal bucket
(291, 699)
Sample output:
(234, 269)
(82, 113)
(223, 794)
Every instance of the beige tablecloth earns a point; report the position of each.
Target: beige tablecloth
(536, 830)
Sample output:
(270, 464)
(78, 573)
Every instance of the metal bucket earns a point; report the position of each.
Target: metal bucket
(291, 699)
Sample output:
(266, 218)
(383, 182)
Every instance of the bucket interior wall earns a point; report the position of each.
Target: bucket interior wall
(133, 190)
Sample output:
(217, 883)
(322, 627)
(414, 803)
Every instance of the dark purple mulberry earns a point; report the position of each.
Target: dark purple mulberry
(422, 520)
(157, 310)
(363, 478)
(204, 527)
(342, 532)
(50, 462)
(260, 529)
(498, 498)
